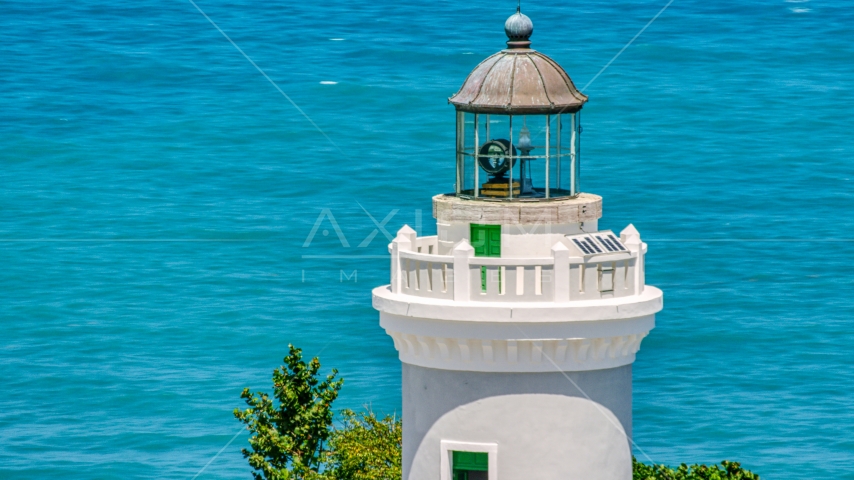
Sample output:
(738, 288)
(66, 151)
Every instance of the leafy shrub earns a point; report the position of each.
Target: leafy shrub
(365, 448)
(293, 439)
(288, 436)
(730, 471)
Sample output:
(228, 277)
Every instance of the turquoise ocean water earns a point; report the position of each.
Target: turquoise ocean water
(157, 195)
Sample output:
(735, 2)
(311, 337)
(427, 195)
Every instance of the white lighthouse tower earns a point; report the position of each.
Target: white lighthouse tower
(518, 323)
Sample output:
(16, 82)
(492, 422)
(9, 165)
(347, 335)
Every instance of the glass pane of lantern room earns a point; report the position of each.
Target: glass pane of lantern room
(549, 152)
(467, 155)
(569, 159)
(563, 164)
(459, 179)
(529, 145)
(483, 133)
(494, 156)
(513, 174)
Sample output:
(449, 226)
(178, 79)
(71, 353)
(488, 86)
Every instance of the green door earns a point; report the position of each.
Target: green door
(470, 465)
(486, 240)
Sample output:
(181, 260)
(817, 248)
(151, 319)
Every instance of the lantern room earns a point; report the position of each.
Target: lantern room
(518, 125)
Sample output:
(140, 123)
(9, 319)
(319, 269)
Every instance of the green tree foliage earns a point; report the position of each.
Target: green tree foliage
(288, 434)
(365, 448)
(730, 471)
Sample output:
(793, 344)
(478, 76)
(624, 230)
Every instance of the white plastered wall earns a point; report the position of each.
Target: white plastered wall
(542, 425)
(449, 234)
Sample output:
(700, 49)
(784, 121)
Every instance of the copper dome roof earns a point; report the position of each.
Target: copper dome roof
(518, 80)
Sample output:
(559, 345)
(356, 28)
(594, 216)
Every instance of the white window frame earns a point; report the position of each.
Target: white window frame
(449, 446)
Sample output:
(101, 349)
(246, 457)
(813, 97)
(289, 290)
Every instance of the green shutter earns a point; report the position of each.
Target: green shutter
(471, 461)
(486, 240)
(494, 241)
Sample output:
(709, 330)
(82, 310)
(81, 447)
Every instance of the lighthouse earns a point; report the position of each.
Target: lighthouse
(518, 323)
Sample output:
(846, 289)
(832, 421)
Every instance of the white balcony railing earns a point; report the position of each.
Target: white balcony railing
(417, 270)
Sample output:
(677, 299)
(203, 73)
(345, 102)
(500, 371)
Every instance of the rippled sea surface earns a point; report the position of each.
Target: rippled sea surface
(158, 194)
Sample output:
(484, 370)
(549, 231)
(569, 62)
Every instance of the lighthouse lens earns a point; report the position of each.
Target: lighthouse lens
(492, 156)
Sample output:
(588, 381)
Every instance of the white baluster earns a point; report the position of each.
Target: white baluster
(561, 272)
(463, 253)
(631, 239)
(401, 243)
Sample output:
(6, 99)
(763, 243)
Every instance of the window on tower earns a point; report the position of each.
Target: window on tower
(470, 466)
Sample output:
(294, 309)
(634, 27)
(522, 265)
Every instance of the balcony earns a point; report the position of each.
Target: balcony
(418, 271)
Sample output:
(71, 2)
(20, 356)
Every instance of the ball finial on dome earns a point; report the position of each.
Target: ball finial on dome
(518, 28)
